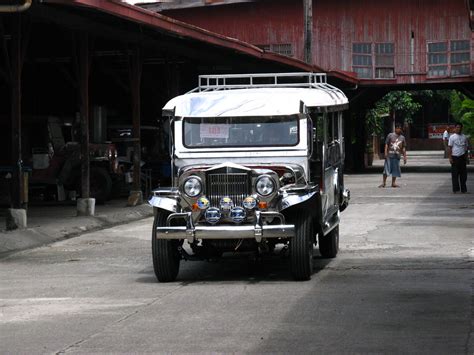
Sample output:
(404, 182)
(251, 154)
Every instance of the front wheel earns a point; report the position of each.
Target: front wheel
(329, 244)
(301, 247)
(166, 257)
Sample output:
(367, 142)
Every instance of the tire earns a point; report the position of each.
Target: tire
(301, 247)
(329, 244)
(100, 185)
(166, 257)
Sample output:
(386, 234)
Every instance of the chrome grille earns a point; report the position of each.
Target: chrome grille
(233, 185)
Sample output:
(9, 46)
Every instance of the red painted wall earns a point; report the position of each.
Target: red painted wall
(339, 23)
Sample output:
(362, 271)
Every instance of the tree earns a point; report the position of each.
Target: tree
(396, 104)
(462, 109)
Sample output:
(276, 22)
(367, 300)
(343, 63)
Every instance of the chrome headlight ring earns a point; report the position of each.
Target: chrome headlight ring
(192, 186)
(265, 185)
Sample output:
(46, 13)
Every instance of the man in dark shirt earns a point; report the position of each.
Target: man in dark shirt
(395, 146)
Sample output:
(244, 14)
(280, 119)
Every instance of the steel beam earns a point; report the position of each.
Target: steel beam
(135, 71)
(308, 31)
(84, 71)
(15, 85)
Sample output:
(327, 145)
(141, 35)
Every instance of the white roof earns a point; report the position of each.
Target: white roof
(254, 102)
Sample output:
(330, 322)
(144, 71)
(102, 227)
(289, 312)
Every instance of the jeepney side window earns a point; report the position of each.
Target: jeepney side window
(334, 148)
(318, 135)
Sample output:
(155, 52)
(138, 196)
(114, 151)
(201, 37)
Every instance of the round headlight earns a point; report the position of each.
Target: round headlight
(265, 185)
(192, 186)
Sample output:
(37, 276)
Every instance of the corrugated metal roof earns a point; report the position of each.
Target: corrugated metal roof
(184, 4)
(180, 29)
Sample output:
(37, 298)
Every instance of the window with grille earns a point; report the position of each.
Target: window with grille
(449, 58)
(384, 61)
(373, 60)
(283, 49)
(362, 60)
(438, 59)
(460, 58)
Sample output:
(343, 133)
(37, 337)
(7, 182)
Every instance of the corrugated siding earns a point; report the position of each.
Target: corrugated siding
(339, 23)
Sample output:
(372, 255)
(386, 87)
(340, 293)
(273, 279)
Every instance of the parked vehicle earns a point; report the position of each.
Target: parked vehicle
(257, 163)
(56, 164)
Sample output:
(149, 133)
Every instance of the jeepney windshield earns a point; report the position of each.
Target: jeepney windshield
(202, 132)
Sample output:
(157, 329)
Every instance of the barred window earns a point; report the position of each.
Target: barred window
(362, 60)
(384, 61)
(449, 58)
(280, 48)
(374, 60)
(460, 58)
(284, 49)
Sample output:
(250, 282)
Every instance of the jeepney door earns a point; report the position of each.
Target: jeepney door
(332, 161)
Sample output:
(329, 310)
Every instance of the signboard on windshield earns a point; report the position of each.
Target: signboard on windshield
(214, 131)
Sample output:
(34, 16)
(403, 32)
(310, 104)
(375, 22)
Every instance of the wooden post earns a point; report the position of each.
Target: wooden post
(308, 31)
(84, 68)
(16, 71)
(135, 71)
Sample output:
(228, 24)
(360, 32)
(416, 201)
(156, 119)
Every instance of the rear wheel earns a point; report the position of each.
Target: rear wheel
(166, 257)
(329, 244)
(301, 247)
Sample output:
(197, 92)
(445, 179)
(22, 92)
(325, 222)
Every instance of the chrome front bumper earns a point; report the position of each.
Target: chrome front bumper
(257, 231)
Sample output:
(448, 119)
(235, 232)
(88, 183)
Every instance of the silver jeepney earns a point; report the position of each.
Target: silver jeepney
(257, 162)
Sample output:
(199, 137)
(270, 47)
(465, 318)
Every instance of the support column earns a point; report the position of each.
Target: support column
(85, 205)
(308, 31)
(135, 71)
(16, 215)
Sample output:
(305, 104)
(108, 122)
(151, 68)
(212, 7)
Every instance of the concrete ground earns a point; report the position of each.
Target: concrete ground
(49, 223)
(402, 283)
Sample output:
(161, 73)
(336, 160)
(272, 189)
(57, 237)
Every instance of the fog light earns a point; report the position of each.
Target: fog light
(226, 204)
(212, 215)
(250, 203)
(203, 203)
(237, 214)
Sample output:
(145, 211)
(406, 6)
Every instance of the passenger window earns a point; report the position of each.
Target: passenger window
(333, 128)
(318, 135)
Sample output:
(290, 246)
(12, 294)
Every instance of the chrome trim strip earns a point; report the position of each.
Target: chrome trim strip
(227, 232)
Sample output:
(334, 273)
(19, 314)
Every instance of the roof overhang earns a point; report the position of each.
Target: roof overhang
(180, 29)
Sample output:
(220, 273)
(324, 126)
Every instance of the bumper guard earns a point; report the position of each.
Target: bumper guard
(257, 231)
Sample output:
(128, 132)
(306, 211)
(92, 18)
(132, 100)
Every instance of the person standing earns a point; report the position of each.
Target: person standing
(445, 142)
(395, 147)
(458, 158)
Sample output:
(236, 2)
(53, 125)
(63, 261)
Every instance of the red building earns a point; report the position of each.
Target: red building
(389, 42)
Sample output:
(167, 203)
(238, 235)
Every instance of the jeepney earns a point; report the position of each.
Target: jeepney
(257, 166)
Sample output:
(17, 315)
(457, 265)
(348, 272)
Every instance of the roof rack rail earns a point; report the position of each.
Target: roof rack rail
(272, 80)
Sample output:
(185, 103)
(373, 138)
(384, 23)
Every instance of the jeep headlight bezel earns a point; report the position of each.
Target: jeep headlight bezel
(192, 186)
(265, 185)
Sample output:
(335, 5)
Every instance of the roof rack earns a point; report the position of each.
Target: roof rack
(273, 80)
(247, 81)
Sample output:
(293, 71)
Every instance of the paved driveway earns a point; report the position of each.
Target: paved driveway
(402, 283)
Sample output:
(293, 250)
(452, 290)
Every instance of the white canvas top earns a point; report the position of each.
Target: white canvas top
(254, 102)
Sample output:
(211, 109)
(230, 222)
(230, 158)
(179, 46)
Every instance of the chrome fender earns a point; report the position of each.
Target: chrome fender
(165, 199)
(290, 199)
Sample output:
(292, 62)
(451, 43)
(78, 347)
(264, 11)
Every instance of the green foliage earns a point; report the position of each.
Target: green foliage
(462, 109)
(398, 103)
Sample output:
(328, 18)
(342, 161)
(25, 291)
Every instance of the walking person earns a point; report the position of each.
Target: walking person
(445, 142)
(395, 147)
(458, 158)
